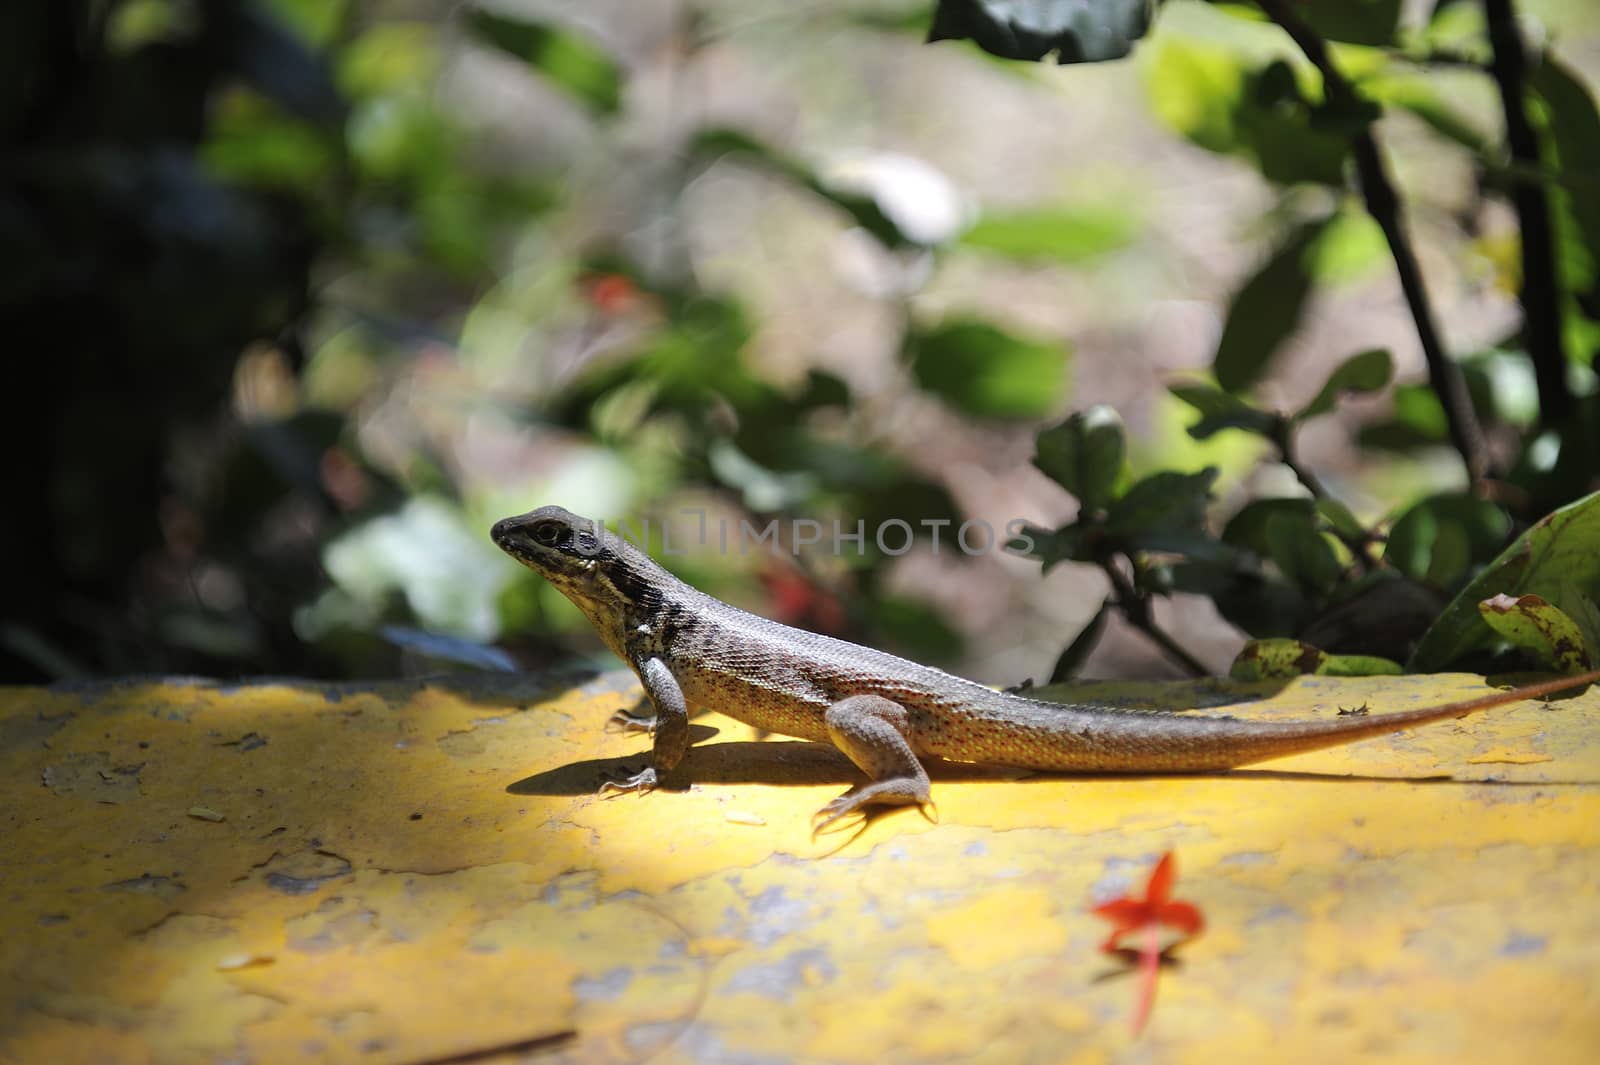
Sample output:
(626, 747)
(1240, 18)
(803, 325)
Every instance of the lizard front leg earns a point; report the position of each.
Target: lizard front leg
(869, 729)
(671, 727)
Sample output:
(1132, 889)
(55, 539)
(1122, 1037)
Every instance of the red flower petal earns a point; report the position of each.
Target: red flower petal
(1126, 913)
(1184, 916)
(1159, 887)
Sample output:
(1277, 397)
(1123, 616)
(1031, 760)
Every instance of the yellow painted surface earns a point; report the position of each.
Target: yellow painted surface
(417, 872)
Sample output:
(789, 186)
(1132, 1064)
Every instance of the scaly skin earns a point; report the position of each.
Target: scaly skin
(883, 712)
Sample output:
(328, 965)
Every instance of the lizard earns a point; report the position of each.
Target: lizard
(882, 712)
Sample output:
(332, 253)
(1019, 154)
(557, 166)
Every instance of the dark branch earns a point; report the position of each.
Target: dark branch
(1541, 269)
(1136, 608)
(1378, 191)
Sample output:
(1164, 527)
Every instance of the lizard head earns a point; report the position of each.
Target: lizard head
(601, 573)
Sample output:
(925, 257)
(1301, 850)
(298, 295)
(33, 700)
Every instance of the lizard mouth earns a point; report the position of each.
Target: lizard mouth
(513, 539)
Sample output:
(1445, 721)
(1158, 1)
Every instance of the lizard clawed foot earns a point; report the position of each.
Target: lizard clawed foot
(642, 781)
(893, 792)
(844, 805)
(628, 721)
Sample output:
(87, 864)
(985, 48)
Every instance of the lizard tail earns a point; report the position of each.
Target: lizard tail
(1278, 739)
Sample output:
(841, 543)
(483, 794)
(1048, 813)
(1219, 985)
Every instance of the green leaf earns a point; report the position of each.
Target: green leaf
(1084, 455)
(1072, 659)
(252, 143)
(1558, 558)
(1417, 94)
(1339, 517)
(1065, 544)
(1195, 89)
(1282, 659)
(1351, 249)
(1573, 121)
(564, 57)
(1437, 539)
(1451, 556)
(387, 58)
(1352, 21)
(1418, 421)
(1301, 552)
(1063, 234)
(1221, 410)
(984, 371)
(1265, 115)
(1535, 625)
(1166, 501)
(318, 21)
(1360, 666)
(1368, 371)
(1265, 311)
(1077, 31)
(1585, 613)
(1247, 529)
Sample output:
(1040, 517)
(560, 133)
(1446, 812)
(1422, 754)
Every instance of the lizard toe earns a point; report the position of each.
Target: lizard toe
(628, 721)
(639, 783)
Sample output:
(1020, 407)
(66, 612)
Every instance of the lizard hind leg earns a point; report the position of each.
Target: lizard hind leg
(869, 730)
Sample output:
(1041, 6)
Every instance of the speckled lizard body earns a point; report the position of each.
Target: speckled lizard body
(883, 712)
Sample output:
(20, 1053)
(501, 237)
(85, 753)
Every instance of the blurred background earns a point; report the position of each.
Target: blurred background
(302, 295)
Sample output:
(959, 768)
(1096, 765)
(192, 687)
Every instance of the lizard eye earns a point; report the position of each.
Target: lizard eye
(547, 533)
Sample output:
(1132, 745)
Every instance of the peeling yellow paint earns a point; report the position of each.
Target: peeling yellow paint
(1505, 756)
(414, 871)
(1003, 925)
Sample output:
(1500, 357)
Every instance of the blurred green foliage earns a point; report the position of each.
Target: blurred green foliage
(1304, 566)
(301, 330)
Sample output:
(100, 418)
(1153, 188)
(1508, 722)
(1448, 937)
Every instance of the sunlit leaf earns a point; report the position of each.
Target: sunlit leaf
(1281, 659)
(1557, 559)
(1221, 410)
(1352, 247)
(1064, 234)
(389, 57)
(1537, 626)
(1266, 115)
(562, 56)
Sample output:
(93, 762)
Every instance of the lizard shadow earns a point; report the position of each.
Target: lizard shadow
(776, 762)
(801, 763)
